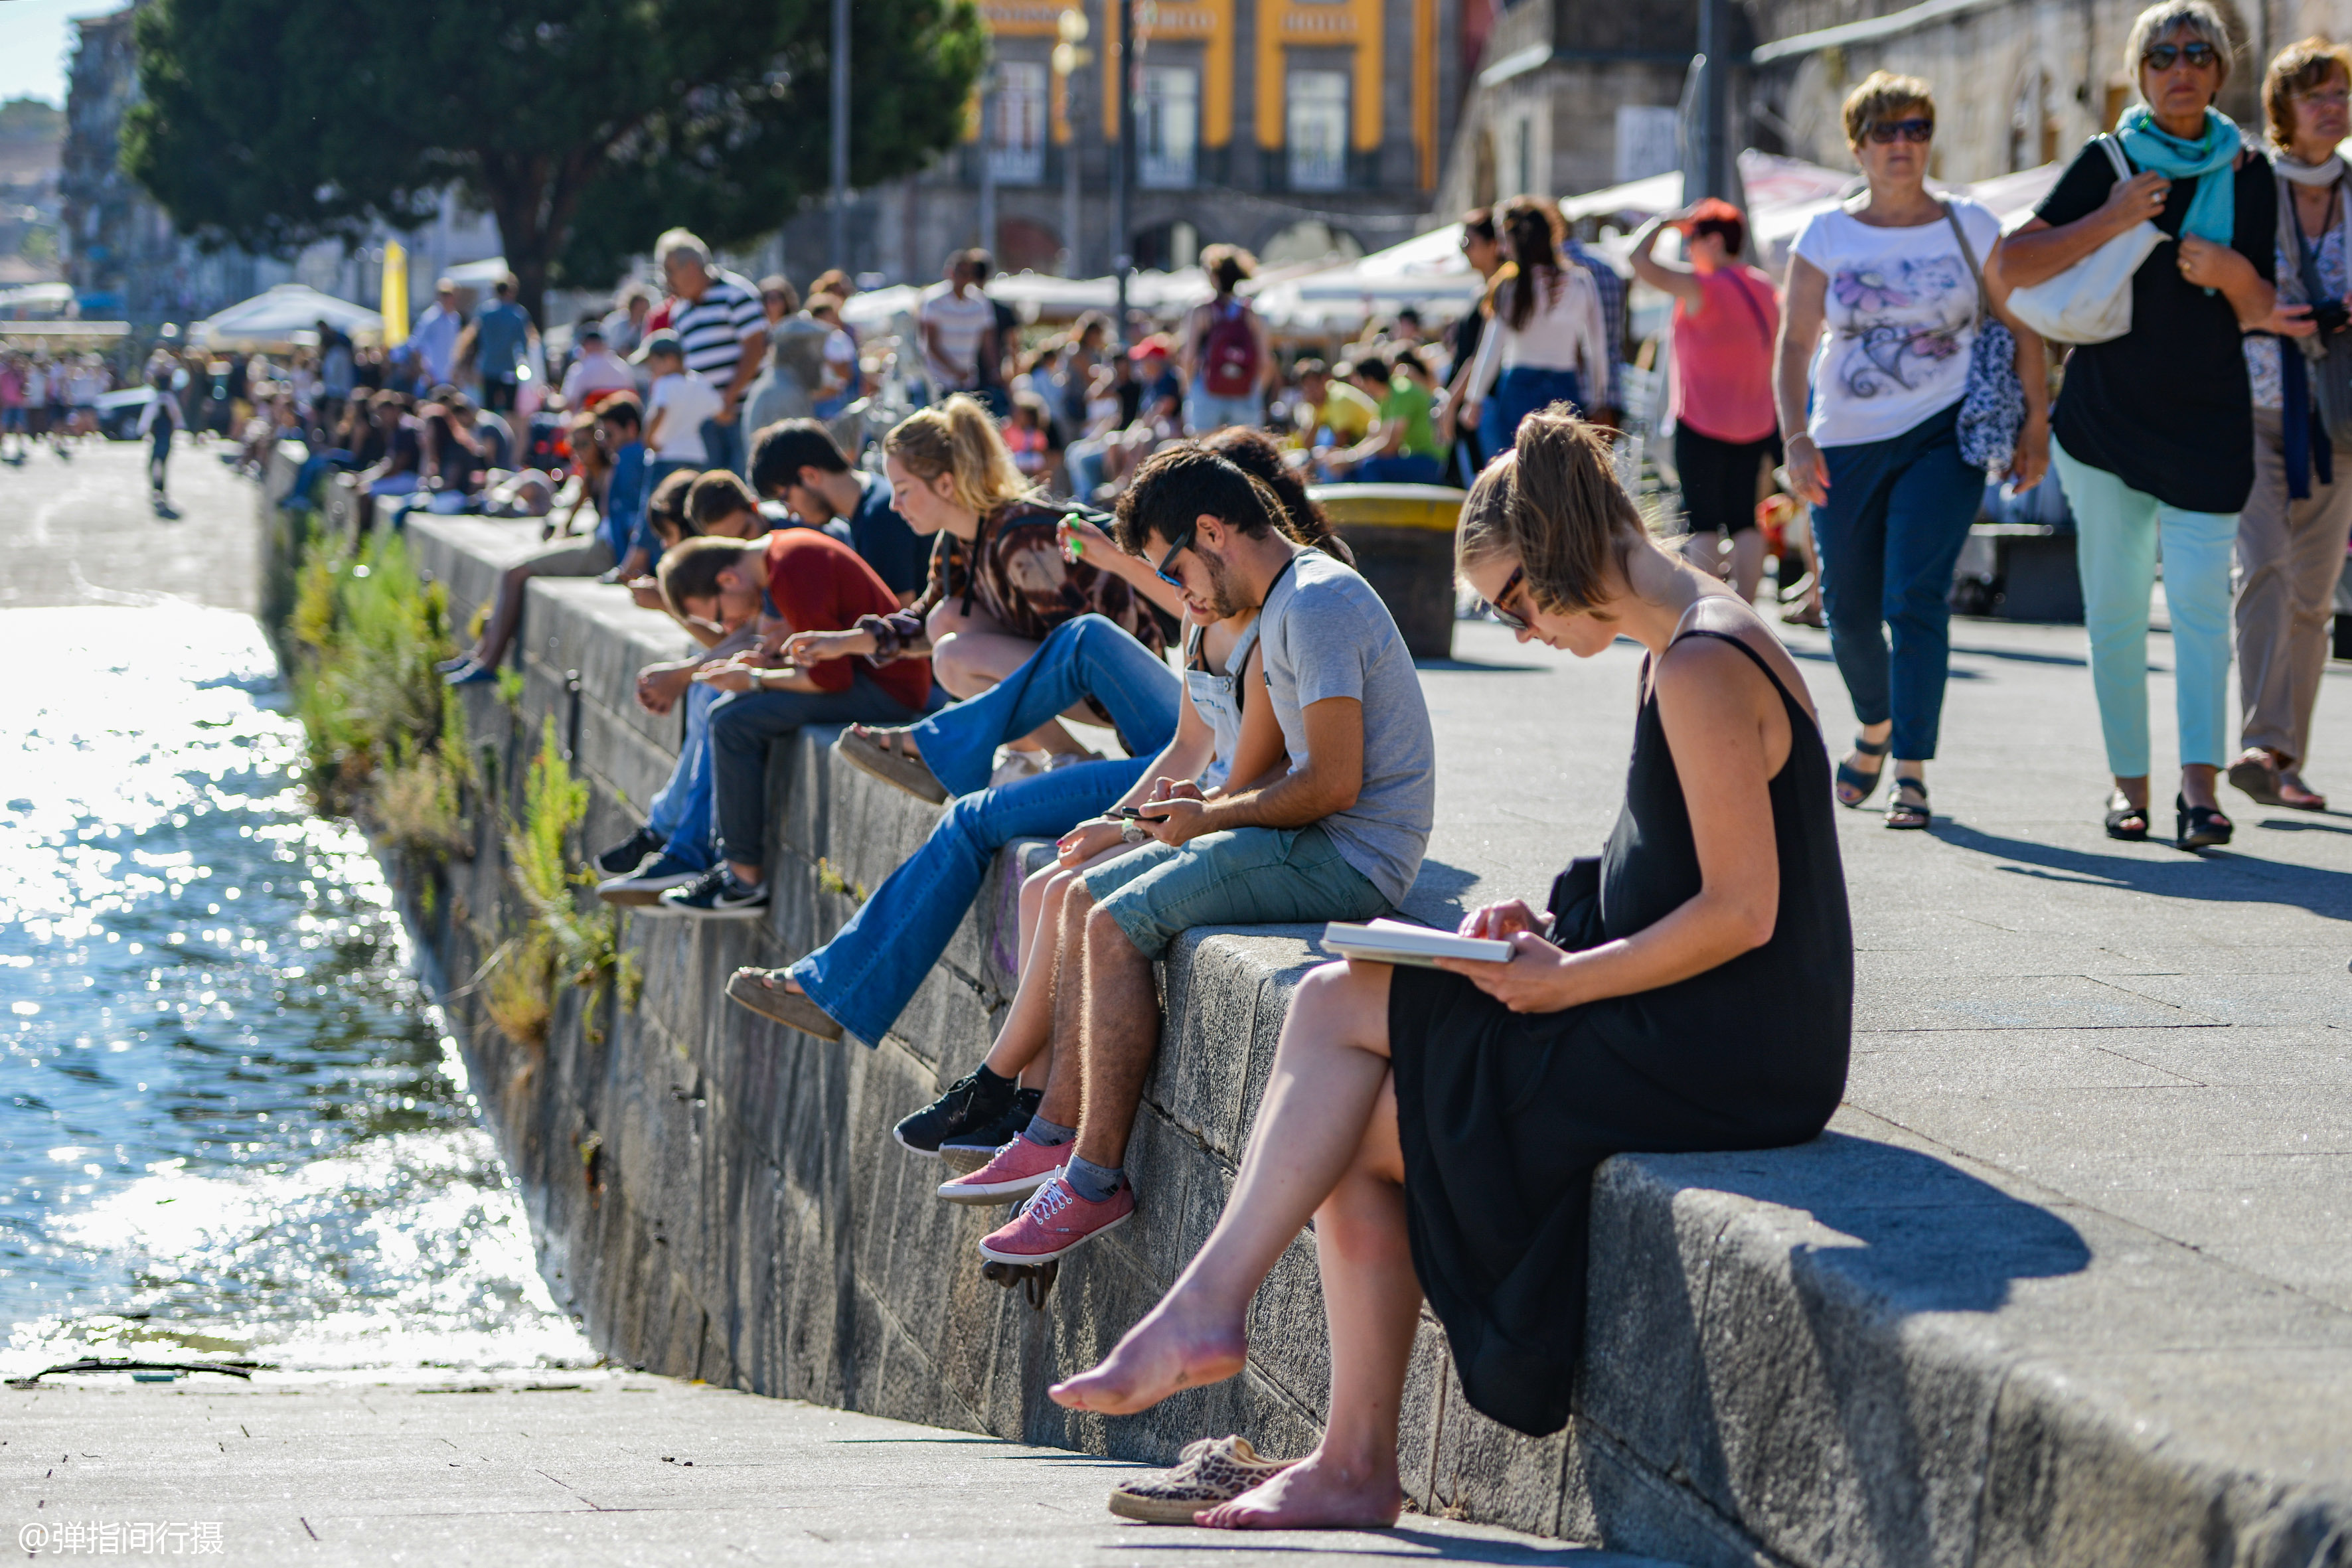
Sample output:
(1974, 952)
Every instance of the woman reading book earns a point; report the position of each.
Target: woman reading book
(1442, 1126)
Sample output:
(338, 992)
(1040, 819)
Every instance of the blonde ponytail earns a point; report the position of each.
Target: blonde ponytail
(958, 437)
(1553, 501)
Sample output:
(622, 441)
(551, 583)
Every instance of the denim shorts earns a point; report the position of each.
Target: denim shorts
(1242, 877)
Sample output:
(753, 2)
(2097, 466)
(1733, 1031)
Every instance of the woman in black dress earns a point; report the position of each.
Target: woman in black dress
(1692, 989)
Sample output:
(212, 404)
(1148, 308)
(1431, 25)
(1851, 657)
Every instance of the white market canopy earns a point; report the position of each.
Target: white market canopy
(273, 317)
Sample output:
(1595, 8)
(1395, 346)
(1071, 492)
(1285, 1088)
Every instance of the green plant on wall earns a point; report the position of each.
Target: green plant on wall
(560, 943)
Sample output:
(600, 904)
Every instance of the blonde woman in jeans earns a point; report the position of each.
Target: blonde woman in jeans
(2153, 437)
(2291, 535)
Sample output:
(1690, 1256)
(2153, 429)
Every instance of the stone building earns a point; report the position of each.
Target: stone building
(121, 253)
(1569, 96)
(1294, 127)
(2019, 82)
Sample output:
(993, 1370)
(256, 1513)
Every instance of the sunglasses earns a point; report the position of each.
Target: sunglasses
(2164, 56)
(1916, 129)
(1182, 541)
(1518, 575)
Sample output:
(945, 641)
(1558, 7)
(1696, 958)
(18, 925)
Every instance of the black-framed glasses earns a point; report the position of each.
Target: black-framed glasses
(2164, 56)
(1181, 543)
(1518, 575)
(1918, 128)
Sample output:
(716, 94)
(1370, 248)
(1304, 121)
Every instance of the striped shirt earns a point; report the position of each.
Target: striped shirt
(713, 328)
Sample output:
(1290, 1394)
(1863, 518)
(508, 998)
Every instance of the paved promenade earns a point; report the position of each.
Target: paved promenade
(79, 530)
(567, 1469)
(2139, 1054)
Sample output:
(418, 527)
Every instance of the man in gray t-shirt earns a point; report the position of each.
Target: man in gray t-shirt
(1337, 836)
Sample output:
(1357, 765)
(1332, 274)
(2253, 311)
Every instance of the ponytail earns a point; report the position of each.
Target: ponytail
(959, 437)
(1531, 234)
(1553, 501)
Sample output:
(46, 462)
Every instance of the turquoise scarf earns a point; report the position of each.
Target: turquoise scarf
(2212, 210)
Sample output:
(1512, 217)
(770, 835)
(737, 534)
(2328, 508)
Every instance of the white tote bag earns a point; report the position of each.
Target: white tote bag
(2091, 301)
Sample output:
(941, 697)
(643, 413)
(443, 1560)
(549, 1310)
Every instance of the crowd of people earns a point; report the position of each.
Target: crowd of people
(1071, 534)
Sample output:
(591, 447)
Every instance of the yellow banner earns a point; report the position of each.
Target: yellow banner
(395, 295)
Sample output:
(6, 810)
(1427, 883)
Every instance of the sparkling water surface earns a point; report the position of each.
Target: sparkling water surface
(229, 1120)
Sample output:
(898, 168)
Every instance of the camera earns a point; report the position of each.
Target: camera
(2330, 316)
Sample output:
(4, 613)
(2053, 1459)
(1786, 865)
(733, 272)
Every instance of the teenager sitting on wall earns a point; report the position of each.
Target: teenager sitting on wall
(798, 462)
(1227, 741)
(710, 592)
(1338, 837)
(1442, 1128)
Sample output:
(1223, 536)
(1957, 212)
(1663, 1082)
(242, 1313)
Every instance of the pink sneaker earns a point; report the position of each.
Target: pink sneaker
(1019, 1168)
(1055, 1221)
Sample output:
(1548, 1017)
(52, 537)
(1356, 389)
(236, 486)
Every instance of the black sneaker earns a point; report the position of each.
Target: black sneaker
(716, 895)
(965, 1153)
(967, 1105)
(630, 853)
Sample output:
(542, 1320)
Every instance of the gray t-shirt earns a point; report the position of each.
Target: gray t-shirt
(1325, 634)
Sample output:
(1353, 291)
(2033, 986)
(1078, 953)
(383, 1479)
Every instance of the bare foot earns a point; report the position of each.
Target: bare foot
(1316, 1493)
(1177, 1346)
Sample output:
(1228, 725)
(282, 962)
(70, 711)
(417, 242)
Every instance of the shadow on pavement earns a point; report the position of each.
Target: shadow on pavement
(2207, 875)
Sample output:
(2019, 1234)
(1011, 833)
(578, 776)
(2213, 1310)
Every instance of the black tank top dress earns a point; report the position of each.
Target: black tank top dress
(1504, 1116)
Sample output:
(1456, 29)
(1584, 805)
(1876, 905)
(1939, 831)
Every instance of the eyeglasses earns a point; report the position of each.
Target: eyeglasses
(1916, 129)
(2164, 56)
(1180, 543)
(1518, 575)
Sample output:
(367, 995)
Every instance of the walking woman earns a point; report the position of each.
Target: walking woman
(2154, 435)
(1484, 250)
(1882, 315)
(2291, 535)
(1546, 340)
(1725, 318)
(1397, 1114)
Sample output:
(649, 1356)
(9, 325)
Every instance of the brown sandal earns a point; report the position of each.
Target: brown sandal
(2257, 777)
(750, 988)
(891, 765)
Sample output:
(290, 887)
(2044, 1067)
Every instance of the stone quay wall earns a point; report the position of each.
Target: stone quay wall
(1859, 1352)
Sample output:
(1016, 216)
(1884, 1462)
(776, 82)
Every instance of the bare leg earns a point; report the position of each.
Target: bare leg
(500, 630)
(1121, 1033)
(1065, 1090)
(1372, 1301)
(1309, 1132)
(1028, 1029)
(1747, 562)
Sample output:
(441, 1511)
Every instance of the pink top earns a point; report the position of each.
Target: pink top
(1723, 356)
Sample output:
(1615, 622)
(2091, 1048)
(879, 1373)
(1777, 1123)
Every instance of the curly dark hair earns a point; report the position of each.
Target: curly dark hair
(1255, 453)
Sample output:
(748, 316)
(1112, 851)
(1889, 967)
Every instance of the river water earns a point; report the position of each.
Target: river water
(229, 1120)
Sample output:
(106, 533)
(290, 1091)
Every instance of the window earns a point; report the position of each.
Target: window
(1318, 130)
(1168, 133)
(1016, 147)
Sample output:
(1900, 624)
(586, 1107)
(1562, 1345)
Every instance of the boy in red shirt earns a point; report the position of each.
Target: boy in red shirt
(810, 582)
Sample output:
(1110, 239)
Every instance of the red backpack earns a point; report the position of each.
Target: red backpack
(1229, 364)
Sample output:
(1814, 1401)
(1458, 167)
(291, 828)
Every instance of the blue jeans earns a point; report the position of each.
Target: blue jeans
(681, 812)
(865, 975)
(1090, 656)
(722, 445)
(1083, 460)
(742, 726)
(1405, 468)
(1205, 412)
(2117, 532)
(1898, 512)
(1519, 391)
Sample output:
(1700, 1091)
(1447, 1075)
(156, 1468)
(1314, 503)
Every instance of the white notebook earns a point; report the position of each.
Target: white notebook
(1395, 941)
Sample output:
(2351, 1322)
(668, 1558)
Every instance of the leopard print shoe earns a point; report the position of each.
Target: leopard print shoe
(1213, 1470)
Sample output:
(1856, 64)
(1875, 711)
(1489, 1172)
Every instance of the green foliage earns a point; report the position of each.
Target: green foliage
(584, 130)
(560, 943)
(365, 633)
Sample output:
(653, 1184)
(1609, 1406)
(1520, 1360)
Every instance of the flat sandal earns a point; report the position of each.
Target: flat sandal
(1862, 785)
(1908, 813)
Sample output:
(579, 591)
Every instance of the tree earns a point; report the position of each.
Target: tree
(584, 130)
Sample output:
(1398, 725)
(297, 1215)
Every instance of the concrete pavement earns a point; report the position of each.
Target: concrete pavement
(80, 531)
(599, 1467)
